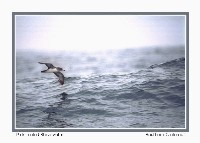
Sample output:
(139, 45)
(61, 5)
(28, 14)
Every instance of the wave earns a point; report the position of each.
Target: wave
(178, 63)
(83, 100)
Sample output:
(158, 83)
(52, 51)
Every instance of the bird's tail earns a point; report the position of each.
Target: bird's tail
(44, 71)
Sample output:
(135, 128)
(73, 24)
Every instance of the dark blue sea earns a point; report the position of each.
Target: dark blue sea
(125, 88)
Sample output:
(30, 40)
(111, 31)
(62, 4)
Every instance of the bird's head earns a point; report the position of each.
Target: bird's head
(60, 69)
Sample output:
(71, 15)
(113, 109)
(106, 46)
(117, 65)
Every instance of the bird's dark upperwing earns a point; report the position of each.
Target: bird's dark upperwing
(60, 76)
(49, 65)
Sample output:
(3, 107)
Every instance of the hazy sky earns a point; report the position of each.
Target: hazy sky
(94, 32)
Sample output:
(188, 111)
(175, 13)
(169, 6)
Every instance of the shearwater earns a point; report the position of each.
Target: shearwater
(55, 70)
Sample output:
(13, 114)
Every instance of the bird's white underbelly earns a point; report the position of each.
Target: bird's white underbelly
(52, 70)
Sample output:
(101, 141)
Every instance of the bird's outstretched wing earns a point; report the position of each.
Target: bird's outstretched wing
(60, 76)
(49, 65)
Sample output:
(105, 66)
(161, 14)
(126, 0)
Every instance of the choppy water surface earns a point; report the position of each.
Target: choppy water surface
(131, 88)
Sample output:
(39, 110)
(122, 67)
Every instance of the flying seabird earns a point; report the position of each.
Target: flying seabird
(55, 70)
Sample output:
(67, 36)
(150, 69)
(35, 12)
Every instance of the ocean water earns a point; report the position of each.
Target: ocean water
(127, 88)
